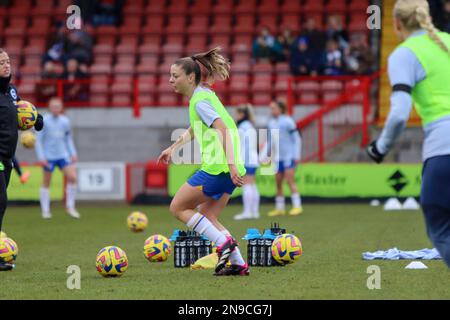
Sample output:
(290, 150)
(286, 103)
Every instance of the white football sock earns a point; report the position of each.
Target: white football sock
(296, 201)
(71, 192)
(203, 226)
(279, 203)
(236, 256)
(45, 200)
(255, 202)
(247, 197)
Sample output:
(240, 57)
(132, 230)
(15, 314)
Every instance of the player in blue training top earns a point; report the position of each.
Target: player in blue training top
(284, 145)
(55, 148)
(419, 72)
(249, 153)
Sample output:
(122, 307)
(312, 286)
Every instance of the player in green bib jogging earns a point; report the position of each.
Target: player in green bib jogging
(201, 199)
(419, 72)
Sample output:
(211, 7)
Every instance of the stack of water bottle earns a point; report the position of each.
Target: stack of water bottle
(188, 247)
(259, 248)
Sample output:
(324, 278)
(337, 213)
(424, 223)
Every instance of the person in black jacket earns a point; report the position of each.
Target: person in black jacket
(8, 134)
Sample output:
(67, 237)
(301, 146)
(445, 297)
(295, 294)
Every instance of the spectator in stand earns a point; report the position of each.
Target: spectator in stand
(316, 38)
(265, 47)
(285, 40)
(108, 12)
(55, 51)
(358, 57)
(78, 45)
(336, 32)
(302, 60)
(333, 58)
(75, 90)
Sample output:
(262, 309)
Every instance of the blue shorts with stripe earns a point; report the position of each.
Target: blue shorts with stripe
(250, 171)
(286, 164)
(60, 163)
(213, 186)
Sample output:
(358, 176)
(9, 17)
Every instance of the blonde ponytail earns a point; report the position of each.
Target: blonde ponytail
(415, 14)
(424, 20)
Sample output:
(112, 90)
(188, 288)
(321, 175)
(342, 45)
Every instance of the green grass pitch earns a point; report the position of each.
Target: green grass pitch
(331, 267)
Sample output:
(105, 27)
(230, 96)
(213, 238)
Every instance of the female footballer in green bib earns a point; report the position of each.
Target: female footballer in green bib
(419, 72)
(201, 199)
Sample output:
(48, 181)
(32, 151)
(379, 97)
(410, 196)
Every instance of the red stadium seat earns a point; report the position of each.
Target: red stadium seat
(244, 39)
(99, 99)
(268, 6)
(154, 25)
(100, 69)
(176, 24)
(152, 38)
(282, 68)
(281, 84)
(147, 68)
(168, 99)
(291, 7)
(238, 98)
(121, 100)
(240, 67)
(359, 6)
(147, 83)
(177, 7)
(146, 99)
(199, 24)
(124, 68)
(126, 48)
(336, 6)
(241, 48)
(127, 30)
(308, 85)
(103, 59)
(261, 98)
(331, 85)
(245, 6)
(245, 23)
(239, 83)
(309, 98)
(172, 48)
(330, 96)
(221, 25)
(262, 84)
(103, 49)
(149, 49)
(201, 7)
(155, 8)
(291, 21)
(265, 68)
(313, 6)
(268, 20)
(223, 7)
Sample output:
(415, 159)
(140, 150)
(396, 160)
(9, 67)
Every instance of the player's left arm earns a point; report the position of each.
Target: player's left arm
(70, 144)
(404, 72)
(296, 140)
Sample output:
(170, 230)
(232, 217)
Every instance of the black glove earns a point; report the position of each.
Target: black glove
(39, 124)
(373, 152)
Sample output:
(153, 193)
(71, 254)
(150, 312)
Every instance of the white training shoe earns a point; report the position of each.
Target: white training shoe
(46, 215)
(243, 216)
(73, 213)
(255, 215)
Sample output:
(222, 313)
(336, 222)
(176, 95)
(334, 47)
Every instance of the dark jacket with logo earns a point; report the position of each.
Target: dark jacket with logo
(8, 121)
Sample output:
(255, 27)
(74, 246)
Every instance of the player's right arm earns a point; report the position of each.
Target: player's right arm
(186, 137)
(40, 148)
(404, 72)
